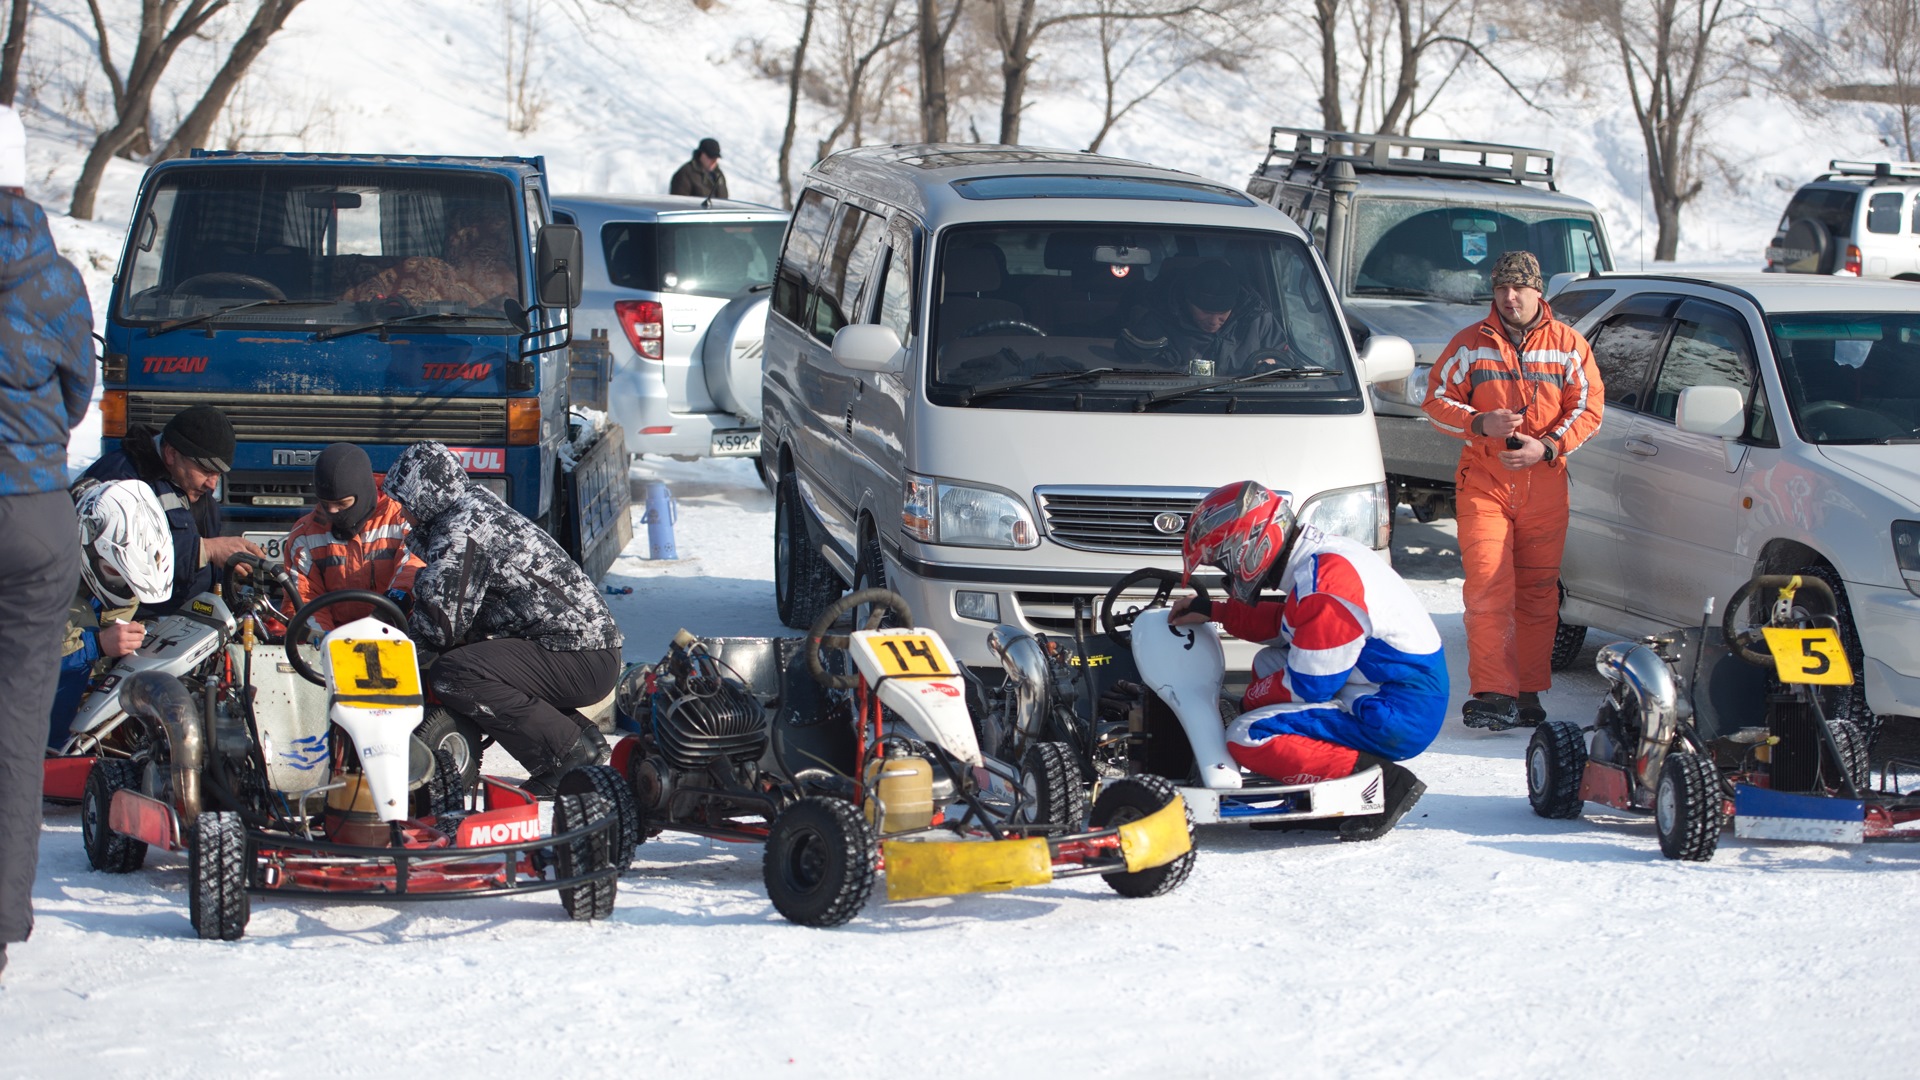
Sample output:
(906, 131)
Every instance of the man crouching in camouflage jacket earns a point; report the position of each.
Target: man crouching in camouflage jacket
(526, 637)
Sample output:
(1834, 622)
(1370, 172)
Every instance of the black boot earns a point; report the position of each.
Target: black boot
(1494, 712)
(1531, 712)
(1403, 789)
(584, 751)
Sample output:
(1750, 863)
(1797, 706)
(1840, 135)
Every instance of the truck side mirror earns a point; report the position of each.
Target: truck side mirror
(558, 266)
(1720, 411)
(867, 347)
(1386, 358)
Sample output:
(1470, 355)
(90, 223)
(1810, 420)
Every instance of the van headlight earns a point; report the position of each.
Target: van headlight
(1906, 553)
(1358, 513)
(945, 512)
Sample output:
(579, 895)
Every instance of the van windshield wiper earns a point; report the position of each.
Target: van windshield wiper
(424, 316)
(968, 397)
(209, 316)
(1258, 376)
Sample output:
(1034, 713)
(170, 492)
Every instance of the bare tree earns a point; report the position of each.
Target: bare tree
(1166, 47)
(10, 54)
(1887, 35)
(523, 18)
(1018, 25)
(165, 25)
(864, 29)
(794, 73)
(934, 31)
(268, 18)
(1374, 58)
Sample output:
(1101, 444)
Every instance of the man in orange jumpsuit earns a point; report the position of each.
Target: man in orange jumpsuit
(1520, 387)
(353, 538)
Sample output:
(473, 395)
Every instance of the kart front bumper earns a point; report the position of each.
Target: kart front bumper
(917, 869)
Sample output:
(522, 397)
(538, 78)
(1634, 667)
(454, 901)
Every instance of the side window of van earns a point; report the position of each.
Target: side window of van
(896, 290)
(800, 261)
(1709, 348)
(1627, 345)
(849, 263)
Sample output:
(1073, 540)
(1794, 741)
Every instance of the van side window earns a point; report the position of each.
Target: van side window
(850, 256)
(896, 292)
(1625, 348)
(1883, 212)
(800, 260)
(1709, 348)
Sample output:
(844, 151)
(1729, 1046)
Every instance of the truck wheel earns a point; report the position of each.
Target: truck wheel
(819, 863)
(610, 785)
(444, 793)
(1050, 791)
(1131, 799)
(1845, 702)
(458, 736)
(594, 900)
(108, 851)
(870, 573)
(1688, 807)
(803, 583)
(1556, 759)
(219, 860)
(1567, 641)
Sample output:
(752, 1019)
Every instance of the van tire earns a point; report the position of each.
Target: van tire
(803, 583)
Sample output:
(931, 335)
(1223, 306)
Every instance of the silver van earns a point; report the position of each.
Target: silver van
(999, 378)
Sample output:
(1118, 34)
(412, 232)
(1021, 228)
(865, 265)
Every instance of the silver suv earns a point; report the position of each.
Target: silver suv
(1410, 229)
(1858, 219)
(678, 288)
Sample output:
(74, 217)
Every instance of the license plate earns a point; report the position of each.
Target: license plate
(274, 544)
(742, 443)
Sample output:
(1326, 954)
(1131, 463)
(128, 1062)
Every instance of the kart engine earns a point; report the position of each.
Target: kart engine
(1641, 711)
(706, 726)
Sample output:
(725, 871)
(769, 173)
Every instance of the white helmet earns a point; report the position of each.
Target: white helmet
(126, 549)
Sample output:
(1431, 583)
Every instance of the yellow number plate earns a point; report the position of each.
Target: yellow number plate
(909, 655)
(1809, 656)
(373, 669)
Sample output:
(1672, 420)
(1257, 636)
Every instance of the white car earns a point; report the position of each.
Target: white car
(1754, 424)
(1858, 219)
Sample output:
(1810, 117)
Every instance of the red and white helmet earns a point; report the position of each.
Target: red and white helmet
(126, 552)
(1240, 530)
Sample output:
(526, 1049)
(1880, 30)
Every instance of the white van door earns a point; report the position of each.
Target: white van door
(851, 250)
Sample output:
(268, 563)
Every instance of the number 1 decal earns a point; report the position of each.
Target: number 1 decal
(375, 680)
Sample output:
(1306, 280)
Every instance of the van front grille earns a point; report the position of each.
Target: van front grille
(327, 418)
(1135, 521)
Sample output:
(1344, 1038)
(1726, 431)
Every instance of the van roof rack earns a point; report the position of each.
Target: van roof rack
(1879, 170)
(1290, 148)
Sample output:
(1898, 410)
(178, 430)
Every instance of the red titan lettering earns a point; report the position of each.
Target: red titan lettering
(173, 365)
(443, 372)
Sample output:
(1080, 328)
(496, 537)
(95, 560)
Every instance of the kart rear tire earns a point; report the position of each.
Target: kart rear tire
(819, 863)
(1853, 754)
(606, 780)
(1688, 807)
(1130, 799)
(593, 900)
(1556, 761)
(459, 736)
(803, 582)
(107, 851)
(219, 861)
(445, 791)
(1050, 787)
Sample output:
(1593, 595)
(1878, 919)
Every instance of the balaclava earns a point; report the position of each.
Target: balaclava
(344, 469)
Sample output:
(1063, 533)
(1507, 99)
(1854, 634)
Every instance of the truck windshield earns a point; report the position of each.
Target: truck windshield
(703, 258)
(1851, 376)
(1120, 317)
(1422, 249)
(329, 245)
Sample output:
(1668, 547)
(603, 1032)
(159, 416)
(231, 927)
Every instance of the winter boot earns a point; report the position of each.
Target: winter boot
(1531, 712)
(584, 751)
(1403, 790)
(1494, 712)
(600, 748)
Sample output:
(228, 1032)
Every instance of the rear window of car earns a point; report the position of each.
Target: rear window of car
(1832, 207)
(704, 258)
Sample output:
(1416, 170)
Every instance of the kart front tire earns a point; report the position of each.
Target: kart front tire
(586, 855)
(445, 790)
(607, 781)
(459, 736)
(1050, 787)
(107, 851)
(219, 860)
(1688, 807)
(819, 862)
(1556, 761)
(1130, 799)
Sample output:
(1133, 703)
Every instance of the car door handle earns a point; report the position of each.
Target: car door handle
(1641, 447)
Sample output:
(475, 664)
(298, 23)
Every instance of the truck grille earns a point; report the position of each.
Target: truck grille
(242, 487)
(326, 418)
(1118, 519)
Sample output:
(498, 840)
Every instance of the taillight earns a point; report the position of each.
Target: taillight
(523, 421)
(1853, 260)
(644, 322)
(113, 414)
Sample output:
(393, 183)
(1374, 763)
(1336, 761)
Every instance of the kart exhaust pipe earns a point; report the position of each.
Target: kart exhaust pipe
(1648, 685)
(160, 697)
(1026, 668)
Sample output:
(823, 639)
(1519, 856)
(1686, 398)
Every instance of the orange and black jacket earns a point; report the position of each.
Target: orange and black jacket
(376, 559)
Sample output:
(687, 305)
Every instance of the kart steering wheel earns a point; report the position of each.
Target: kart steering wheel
(1119, 626)
(1002, 325)
(244, 594)
(883, 601)
(225, 277)
(1749, 644)
(297, 626)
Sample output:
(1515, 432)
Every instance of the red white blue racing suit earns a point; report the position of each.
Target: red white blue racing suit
(1354, 664)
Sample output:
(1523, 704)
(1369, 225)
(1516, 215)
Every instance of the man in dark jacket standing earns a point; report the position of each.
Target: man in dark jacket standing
(701, 177)
(525, 636)
(46, 380)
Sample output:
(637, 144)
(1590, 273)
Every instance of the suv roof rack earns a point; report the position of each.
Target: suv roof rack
(1878, 170)
(1290, 148)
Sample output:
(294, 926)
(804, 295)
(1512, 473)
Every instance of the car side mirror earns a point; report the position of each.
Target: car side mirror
(867, 347)
(557, 262)
(1720, 411)
(1386, 358)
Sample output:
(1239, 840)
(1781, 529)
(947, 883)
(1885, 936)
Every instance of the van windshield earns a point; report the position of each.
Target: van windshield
(1851, 376)
(1125, 317)
(323, 246)
(1423, 249)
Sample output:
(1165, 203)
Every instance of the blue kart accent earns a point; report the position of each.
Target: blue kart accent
(1763, 814)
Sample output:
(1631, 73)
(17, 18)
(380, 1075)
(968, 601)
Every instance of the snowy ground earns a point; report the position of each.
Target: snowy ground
(1477, 939)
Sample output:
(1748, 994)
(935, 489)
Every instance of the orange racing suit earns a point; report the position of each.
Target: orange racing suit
(376, 559)
(1513, 522)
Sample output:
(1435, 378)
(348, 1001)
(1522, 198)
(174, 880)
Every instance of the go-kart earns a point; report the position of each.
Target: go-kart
(1143, 699)
(851, 753)
(333, 794)
(1711, 723)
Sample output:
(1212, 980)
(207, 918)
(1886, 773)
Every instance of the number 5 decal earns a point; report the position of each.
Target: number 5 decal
(1809, 656)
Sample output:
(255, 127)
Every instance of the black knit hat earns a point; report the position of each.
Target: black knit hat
(202, 435)
(1212, 285)
(709, 147)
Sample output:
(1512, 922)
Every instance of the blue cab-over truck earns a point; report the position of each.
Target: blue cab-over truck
(373, 299)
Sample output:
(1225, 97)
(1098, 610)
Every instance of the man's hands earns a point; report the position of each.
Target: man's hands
(1499, 423)
(121, 638)
(1179, 613)
(1532, 451)
(218, 549)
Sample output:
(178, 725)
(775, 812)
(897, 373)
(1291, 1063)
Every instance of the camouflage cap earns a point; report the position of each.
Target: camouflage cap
(1519, 269)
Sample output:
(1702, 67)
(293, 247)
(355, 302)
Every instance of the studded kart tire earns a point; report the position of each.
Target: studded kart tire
(820, 862)
(1556, 760)
(1131, 799)
(457, 735)
(593, 900)
(107, 851)
(1853, 754)
(1845, 702)
(1688, 807)
(1567, 640)
(610, 785)
(219, 861)
(803, 583)
(1050, 787)
(445, 790)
